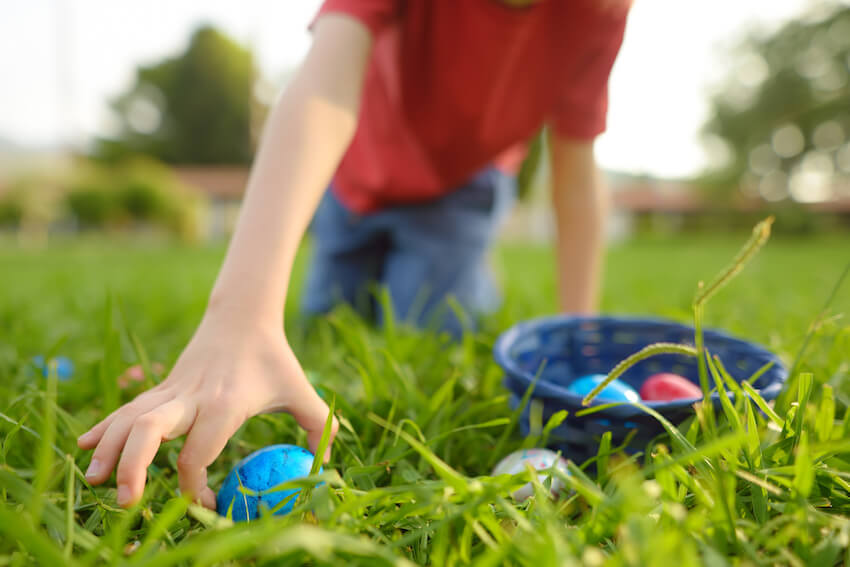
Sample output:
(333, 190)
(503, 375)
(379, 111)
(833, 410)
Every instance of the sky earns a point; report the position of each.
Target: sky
(62, 60)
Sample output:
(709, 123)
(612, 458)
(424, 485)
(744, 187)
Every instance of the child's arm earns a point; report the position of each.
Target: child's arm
(580, 203)
(238, 363)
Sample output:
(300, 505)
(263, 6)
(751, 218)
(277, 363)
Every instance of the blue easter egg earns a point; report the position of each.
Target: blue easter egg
(616, 391)
(64, 366)
(260, 472)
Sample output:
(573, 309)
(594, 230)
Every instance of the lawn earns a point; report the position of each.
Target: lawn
(424, 421)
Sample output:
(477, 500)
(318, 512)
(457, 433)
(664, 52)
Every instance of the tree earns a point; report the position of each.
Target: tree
(193, 108)
(784, 112)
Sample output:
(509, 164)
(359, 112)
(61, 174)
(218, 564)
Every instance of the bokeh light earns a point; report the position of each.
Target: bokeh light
(813, 62)
(774, 186)
(788, 140)
(764, 160)
(811, 180)
(752, 70)
(143, 116)
(828, 135)
(842, 158)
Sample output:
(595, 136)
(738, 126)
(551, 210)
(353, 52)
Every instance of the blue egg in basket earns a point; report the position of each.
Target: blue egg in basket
(259, 473)
(559, 350)
(615, 391)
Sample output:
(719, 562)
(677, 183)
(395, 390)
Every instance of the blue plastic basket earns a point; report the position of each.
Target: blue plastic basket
(563, 348)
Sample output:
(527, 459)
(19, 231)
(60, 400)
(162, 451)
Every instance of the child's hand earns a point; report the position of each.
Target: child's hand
(224, 376)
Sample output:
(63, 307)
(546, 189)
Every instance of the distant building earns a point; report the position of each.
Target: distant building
(224, 186)
(663, 205)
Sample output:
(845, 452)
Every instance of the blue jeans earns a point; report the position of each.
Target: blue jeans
(422, 254)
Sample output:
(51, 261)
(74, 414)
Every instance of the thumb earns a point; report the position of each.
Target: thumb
(311, 413)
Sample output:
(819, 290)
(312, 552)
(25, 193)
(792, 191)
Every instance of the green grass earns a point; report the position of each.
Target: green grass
(424, 421)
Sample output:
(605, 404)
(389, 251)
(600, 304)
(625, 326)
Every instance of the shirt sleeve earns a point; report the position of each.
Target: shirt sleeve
(376, 15)
(582, 105)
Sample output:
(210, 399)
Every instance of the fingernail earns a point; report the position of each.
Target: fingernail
(84, 436)
(94, 468)
(123, 494)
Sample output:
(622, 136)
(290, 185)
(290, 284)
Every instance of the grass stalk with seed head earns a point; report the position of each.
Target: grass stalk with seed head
(644, 353)
(758, 238)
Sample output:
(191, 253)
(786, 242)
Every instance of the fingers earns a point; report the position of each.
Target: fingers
(148, 431)
(311, 413)
(91, 438)
(110, 441)
(205, 441)
(143, 403)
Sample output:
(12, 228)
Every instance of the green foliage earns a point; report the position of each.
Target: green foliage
(11, 210)
(141, 200)
(784, 109)
(92, 206)
(194, 108)
(530, 166)
(422, 420)
(32, 199)
(134, 193)
(137, 193)
(149, 193)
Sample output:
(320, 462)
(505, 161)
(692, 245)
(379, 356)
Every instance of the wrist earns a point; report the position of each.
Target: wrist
(242, 309)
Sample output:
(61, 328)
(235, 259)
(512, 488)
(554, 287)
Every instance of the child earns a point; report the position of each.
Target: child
(412, 111)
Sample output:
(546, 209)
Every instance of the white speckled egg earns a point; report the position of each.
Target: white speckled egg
(539, 459)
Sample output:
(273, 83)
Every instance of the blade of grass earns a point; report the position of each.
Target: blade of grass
(792, 372)
(36, 543)
(70, 498)
(542, 439)
(443, 470)
(602, 455)
(762, 404)
(705, 451)
(143, 357)
(804, 390)
(699, 340)
(45, 456)
(825, 420)
(109, 362)
(644, 353)
(731, 415)
(318, 458)
(804, 470)
(499, 449)
(304, 494)
(51, 515)
(172, 512)
(760, 235)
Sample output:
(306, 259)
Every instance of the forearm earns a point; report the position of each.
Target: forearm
(303, 144)
(304, 140)
(580, 205)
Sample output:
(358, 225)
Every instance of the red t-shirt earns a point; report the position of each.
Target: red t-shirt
(455, 85)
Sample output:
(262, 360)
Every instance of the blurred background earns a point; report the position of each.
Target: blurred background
(142, 118)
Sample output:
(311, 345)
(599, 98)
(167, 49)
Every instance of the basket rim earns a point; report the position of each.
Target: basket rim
(559, 393)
